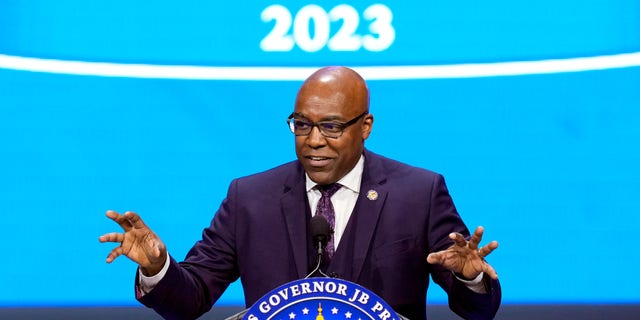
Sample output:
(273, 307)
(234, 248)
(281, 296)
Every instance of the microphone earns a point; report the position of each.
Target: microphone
(320, 233)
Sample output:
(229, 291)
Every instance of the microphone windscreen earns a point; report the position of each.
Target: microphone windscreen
(320, 230)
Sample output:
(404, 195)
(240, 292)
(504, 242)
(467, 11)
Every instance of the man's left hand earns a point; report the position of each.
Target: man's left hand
(465, 257)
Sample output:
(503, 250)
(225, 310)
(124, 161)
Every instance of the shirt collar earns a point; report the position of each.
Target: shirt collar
(350, 181)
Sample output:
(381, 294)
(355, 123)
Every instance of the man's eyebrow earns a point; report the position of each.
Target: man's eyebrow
(332, 118)
(327, 118)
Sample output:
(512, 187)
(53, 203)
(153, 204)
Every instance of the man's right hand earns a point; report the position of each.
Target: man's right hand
(138, 243)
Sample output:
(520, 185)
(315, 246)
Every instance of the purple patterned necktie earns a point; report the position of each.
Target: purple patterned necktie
(325, 209)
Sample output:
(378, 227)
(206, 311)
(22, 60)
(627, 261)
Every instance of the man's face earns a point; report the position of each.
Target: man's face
(326, 160)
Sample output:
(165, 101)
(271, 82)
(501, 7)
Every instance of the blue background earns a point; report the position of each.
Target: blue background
(547, 163)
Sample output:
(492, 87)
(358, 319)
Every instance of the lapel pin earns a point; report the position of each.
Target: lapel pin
(372, 195)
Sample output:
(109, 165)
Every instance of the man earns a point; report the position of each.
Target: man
(394, 224)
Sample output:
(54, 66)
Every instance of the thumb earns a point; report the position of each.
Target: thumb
(433, 258)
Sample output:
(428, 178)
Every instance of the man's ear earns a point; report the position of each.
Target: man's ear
(367, 126)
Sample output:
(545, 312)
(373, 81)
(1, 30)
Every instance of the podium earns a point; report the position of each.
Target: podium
(319, 299)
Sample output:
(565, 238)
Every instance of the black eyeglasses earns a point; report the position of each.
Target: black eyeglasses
(329, 129)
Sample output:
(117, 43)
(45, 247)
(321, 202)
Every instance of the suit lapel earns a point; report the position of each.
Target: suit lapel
(368, 208)
(294, 210)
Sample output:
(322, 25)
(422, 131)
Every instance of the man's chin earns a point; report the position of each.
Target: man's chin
(321, 178)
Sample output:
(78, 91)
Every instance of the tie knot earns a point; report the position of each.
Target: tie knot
(329, 189)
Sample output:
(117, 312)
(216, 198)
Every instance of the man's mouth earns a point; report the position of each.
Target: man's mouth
(318, 161)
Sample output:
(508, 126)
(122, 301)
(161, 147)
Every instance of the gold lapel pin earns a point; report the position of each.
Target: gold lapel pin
(372, 195)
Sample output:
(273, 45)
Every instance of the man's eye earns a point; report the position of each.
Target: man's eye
(301, 124)
(331, 126)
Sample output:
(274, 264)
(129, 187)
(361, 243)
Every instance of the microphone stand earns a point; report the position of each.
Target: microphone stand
(317, 269)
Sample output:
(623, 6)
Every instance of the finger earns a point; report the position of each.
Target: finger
(135, 220)
(114, 254)
(113, 215)
(487, 249)
(435, 258)
(476, 238)
(112, 237)
(458, 239)
(120, 219)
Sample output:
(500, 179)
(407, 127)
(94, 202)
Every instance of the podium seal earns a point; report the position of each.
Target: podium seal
(320, 299)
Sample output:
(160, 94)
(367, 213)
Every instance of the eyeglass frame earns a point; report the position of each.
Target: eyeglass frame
(342, 125)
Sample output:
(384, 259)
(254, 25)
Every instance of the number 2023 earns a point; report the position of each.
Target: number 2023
(381, 32)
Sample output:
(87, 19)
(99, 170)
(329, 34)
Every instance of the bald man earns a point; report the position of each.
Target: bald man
(394, 225)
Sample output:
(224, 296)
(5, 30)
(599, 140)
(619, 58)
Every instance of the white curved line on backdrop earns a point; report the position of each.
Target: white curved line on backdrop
(471, 70)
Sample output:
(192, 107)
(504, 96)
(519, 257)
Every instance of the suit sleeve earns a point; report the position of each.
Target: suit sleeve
(444, 219)
(191, 287)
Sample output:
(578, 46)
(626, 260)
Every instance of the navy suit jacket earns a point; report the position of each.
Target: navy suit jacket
(261, 234)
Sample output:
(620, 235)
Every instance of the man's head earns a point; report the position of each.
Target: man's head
(332, 94)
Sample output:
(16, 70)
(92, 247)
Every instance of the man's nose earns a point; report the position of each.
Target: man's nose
(315, 138)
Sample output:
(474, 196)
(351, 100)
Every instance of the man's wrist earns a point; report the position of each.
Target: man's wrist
(462, 277)
(147, 283)
(153, 270)
(474, 281)
(476, 285)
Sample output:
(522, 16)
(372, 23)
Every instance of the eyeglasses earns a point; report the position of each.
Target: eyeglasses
(329, 129)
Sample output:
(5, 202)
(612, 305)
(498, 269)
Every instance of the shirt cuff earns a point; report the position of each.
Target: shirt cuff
(476, 285)
(148, 283)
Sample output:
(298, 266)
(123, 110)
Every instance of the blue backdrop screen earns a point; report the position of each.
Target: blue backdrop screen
(530, 110)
